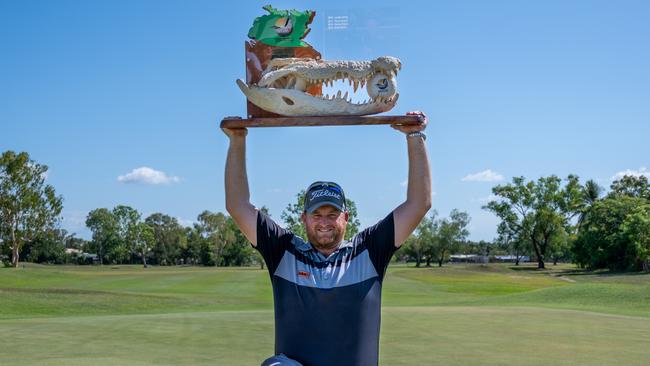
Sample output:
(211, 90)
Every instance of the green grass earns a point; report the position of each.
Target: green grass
(501, 285)
(454, 315)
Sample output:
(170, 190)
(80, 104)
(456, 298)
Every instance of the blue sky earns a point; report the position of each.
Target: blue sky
(96, 90)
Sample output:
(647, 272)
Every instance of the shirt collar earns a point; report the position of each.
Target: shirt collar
(305, 246)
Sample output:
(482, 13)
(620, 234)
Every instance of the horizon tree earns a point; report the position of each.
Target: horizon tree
(28, 206)
(631, 186)
(512, 241)
(537, 210)
(614, 234)
(590, 194)
(217, 233)
(127, 218)
(104, 227)
(418, 245)
(143, 239)
(451, 232)
(169, 238)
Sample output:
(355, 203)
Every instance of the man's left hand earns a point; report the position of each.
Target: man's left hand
(413, 128)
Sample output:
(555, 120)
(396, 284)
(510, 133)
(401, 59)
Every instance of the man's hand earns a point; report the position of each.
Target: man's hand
(413, 128)
(235, 132)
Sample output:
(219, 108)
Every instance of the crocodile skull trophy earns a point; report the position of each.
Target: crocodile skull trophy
(282, 87)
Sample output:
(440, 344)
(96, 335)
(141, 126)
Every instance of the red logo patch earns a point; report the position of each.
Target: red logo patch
(303, 274)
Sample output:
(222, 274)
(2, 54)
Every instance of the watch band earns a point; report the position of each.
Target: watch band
(417, 134)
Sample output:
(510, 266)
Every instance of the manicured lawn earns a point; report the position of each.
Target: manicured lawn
(454, 315)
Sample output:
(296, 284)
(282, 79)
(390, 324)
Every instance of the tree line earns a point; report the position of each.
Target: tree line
(555, 219)
(30, 212)
(122, 236)
(548, 219)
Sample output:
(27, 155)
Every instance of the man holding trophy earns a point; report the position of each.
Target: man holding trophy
(326, 290)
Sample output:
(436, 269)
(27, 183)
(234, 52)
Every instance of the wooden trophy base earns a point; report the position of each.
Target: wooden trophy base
(238, 122)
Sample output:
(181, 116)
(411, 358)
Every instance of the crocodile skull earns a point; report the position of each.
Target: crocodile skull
(283, 87)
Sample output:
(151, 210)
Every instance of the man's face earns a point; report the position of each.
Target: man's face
(325, 226)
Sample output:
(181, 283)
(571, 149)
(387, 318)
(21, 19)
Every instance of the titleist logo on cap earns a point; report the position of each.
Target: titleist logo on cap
(324, 193)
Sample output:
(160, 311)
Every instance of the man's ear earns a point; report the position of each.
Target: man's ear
(347, 216)
(303, 218)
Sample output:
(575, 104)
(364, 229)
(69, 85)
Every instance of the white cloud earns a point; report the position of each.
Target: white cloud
(484, 176)
(146, 175)
(404, 183)
(637, 173)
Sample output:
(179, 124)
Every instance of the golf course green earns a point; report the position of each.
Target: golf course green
(455, 315)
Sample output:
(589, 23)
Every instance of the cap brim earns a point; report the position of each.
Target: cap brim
(324, 203)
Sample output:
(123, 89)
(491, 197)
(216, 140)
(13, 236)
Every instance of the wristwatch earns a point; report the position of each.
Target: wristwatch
(417, 134)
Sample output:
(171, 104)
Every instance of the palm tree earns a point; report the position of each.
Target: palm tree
(590, 194)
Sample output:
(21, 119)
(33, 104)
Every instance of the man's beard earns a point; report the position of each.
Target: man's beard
(328, 241)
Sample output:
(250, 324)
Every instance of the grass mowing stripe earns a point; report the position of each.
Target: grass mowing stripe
(410, 336)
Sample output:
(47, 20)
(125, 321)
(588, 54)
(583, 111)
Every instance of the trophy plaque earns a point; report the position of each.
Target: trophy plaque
(285, 77)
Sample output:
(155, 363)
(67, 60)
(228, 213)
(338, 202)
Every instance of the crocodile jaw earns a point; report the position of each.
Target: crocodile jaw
(293, 102)
(283, 87)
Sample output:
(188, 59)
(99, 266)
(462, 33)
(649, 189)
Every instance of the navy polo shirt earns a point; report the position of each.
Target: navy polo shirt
(327, 310)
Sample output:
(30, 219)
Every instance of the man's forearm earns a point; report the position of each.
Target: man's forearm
(418, 194)
(236, 179)
(236, 183)
(238, 202)
(408, 215)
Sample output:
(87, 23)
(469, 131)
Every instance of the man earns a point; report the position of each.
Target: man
(327, 291)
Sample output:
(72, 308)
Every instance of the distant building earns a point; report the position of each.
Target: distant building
(90, 258)
(81, 257)
(511, 258)
(468, 258)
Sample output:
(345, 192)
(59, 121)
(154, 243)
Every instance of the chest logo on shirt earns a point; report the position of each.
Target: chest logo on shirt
(303, 274)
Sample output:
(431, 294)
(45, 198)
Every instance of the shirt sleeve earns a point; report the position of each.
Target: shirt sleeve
(272, 241)
(379, 240)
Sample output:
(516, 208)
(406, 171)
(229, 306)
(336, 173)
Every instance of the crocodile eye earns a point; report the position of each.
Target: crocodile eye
(287, 100)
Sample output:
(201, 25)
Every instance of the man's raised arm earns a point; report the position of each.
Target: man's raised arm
(238, 202)
(408, 215)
